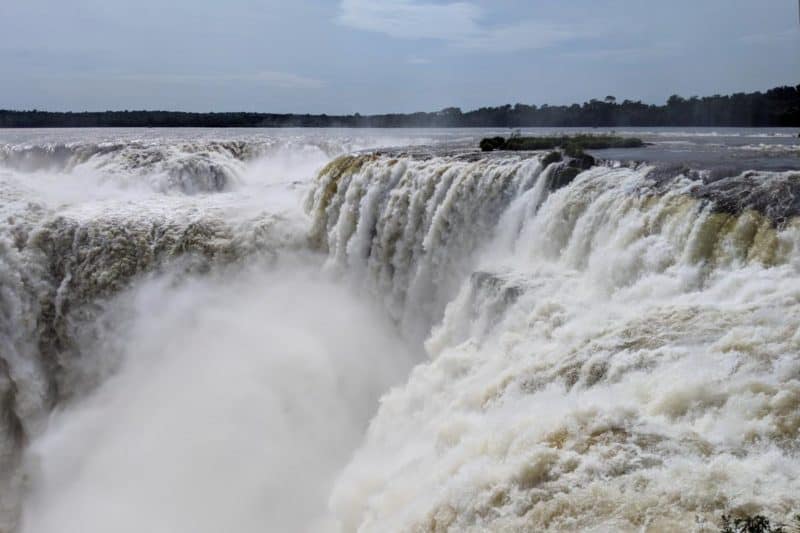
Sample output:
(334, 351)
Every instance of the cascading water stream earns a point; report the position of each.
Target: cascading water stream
(84, 224)
(616, 351)
(410, 226)
(623, 355)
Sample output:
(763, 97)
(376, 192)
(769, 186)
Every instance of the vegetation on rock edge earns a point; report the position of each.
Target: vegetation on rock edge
(573, 145)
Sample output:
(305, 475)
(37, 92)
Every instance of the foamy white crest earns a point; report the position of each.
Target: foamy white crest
(83, 219)
(609, 350)
(622, 358)
(410, 226)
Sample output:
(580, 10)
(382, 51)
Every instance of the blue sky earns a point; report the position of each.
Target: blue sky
(371, 56)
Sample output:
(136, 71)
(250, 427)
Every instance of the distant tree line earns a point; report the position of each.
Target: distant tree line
(776, 108)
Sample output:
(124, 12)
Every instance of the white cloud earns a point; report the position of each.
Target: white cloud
(457, 23)
(418, 61)
(630, 54)
(269, 78)
(524, 35)
(407, 19)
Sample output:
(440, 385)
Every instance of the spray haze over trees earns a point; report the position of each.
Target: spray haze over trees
(778, 107)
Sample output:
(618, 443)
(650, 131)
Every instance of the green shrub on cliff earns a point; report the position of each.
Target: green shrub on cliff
(492, 143)
(571, 144)
(552, 157)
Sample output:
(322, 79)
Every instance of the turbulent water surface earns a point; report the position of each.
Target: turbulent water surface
(309, 330)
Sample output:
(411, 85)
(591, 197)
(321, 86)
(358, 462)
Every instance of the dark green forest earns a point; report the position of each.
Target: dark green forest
(778, 107)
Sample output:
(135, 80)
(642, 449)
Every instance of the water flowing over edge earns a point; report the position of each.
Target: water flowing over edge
(616, 352)
(564, 308)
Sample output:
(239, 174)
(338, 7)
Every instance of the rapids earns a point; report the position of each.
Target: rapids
(292, 334)
(616, 354)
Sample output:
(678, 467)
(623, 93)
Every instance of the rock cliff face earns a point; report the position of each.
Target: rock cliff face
(774, 195)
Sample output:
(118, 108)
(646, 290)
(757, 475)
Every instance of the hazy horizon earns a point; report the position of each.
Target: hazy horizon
(619, 99)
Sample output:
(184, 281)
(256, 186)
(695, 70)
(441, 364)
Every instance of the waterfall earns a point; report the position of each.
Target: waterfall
(618, 353)
(296, 335)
